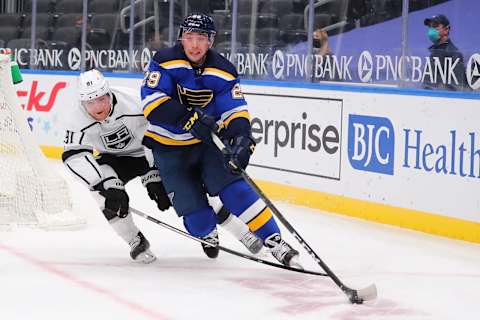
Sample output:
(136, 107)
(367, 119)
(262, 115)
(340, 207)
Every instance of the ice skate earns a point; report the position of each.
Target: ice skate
(140, 249)
(282, 251)
(252, 242)
(211, 251)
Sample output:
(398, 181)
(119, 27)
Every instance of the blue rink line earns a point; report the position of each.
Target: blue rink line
(302, 85)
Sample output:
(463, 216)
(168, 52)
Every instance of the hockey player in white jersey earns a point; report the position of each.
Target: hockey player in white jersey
(111, 122)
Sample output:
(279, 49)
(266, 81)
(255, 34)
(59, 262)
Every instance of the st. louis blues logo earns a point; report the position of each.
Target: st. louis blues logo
(194, 98)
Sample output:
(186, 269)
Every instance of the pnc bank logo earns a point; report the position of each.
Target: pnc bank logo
(278, 64)
(365, 66)
(371, 143)
(473, 71)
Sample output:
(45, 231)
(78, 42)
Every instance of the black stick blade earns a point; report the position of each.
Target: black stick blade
(361, 295)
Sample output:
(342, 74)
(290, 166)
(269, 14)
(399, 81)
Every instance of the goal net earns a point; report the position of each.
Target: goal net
(31, 193)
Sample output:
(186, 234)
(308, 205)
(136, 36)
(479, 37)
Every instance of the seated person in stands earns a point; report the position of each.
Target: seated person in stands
(79, 22)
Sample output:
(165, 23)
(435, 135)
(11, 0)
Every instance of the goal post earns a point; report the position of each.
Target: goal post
(31, 193)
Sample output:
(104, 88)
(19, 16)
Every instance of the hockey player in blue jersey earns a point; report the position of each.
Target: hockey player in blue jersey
(190, 91)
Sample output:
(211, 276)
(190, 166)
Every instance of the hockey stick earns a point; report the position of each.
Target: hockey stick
(235, 253)
(355, 296)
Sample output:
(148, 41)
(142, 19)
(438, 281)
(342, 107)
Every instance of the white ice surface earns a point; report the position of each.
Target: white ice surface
(87, 274)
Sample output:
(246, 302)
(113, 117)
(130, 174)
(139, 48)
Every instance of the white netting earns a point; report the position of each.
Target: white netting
(31, 194)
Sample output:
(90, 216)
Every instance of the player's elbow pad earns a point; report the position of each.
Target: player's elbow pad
(84, 167)
(67, 154)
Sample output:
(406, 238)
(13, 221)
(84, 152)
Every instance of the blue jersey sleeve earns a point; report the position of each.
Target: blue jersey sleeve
(221, 75)
(233, 110)
(157, 91)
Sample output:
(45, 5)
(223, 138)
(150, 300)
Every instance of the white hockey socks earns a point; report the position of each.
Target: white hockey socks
(240, 230)
(235, 226)
(125, 227)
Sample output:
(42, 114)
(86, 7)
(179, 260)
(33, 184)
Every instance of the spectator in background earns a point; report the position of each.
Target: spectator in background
(323, 52)
(156, 41)
(320, 43)
(443, 48)
(79, 22)
(321, 49)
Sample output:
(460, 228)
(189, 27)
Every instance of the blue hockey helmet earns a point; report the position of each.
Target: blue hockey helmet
(198, 22)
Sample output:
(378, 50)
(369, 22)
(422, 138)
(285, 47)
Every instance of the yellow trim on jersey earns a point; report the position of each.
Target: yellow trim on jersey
(219, 73)
(172, 64)
(169, 141)
(149, 108)
(258, 222)
(241, 114)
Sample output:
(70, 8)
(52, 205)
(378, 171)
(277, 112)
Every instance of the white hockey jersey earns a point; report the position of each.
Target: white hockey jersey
(120, 134)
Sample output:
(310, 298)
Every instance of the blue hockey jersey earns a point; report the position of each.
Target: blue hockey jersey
(172, 87)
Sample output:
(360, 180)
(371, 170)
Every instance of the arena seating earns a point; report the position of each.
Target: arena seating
(278, 22)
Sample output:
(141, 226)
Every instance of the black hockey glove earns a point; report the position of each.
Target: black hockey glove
(156, 191)
(116, 199)
(200, 125)
(240, 150)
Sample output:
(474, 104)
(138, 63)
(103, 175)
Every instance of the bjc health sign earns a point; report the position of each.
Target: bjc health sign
(371, 143)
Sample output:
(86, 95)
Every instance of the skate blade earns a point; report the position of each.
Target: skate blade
(145, 258)
(295, 263)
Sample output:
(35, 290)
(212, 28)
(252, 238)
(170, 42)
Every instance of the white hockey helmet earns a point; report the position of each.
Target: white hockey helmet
(92, 84)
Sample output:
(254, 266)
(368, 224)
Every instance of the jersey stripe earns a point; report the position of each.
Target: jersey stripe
(174, 64)
(252, 211)
(151, 97)
(149, 108)
(169, 141)
(242, 114)
(260, 220)
(228, 113)
(218, 73)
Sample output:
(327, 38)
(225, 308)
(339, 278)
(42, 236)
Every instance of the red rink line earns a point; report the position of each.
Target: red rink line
(47, 267)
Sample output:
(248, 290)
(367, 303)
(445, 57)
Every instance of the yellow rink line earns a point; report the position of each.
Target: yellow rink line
(386, 214)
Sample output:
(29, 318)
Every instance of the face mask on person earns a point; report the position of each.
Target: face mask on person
(317, 43)
(433, 34)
